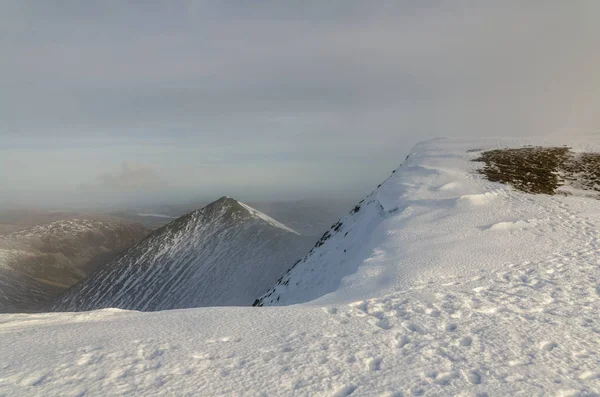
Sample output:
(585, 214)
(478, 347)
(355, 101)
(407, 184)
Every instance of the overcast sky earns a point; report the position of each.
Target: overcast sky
(102, 101)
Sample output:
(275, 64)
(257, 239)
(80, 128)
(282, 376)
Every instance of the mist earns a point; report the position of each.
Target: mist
(115, 103)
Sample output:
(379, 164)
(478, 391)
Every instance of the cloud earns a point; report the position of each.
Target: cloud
(128, 178)
(270, 91)
(453, 68)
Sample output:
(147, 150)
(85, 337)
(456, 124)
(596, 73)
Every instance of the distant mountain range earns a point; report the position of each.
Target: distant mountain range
(16, 219)
(39, 263)
(226, 253)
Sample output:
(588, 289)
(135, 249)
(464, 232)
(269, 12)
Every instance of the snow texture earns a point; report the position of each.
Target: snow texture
(439, 283)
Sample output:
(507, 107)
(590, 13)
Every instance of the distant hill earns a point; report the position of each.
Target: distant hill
(38, 263)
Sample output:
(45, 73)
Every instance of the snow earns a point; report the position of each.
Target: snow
(267, 218)
(220, 255)
(449, 285)
(435, 217)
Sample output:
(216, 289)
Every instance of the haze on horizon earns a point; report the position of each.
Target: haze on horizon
(120, 102)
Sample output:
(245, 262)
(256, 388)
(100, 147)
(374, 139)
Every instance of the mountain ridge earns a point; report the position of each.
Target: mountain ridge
(220, 254)
(439, 179)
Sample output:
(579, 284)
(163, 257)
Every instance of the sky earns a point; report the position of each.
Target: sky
(121, 102)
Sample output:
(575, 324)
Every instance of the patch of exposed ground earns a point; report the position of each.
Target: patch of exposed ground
(543, 170)
(583, 172)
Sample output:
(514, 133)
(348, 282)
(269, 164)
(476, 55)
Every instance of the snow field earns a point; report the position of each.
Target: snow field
(440, 284)
(531, 328)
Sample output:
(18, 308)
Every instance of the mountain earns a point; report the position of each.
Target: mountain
(39, 263)
(458, 276)
(224, 254)
(402, 231)
(17, 219)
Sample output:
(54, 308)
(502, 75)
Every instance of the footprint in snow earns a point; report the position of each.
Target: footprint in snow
(443, 378)
(381, 323)
(412, 327)
(150, 353)
(331, 310)
(433, 312)
(548, 346)
(360, 305)
(373, 364)
(450, 327)
(344, 391)
(474, 377)
(401, 341)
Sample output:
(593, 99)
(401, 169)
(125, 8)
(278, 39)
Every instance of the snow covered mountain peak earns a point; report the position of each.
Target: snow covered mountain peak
(225, 253)
(239, 211)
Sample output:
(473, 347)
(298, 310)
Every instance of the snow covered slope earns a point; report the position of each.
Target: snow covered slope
(450, 285)
(436, 218)
(38, 263)
(223, 254)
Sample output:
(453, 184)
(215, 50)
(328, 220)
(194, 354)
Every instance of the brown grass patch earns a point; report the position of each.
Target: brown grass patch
(542, 170)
